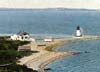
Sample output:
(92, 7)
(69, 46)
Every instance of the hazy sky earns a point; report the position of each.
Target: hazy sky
(88, 4)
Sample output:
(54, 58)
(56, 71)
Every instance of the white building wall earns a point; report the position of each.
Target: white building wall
(78, 33)
(21, 38)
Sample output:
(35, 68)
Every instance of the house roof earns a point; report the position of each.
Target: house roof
(22, 33)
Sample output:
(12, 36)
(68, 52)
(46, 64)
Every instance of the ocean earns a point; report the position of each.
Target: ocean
(60, 22)
(87, 61)
(49, 21)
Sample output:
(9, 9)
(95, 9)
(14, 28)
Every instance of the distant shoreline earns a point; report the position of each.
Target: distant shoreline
(47, 9)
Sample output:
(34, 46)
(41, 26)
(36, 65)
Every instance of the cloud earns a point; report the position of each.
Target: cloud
(88, 4)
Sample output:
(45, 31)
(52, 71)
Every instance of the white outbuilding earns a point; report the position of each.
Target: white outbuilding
(48, 39)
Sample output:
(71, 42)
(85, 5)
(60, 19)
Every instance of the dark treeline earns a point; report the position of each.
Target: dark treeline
(9, 54)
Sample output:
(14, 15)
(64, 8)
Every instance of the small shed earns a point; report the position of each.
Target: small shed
(48, 39)
(24, 48)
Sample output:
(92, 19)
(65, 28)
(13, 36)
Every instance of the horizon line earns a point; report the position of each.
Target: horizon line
(48, 8)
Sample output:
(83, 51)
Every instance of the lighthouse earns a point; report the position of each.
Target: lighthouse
(78, 32)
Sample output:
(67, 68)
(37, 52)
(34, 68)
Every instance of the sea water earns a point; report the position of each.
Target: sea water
(87, 61)
(60, 23)
(49, 22)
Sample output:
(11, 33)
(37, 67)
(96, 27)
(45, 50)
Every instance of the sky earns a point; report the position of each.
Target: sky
(86, 4)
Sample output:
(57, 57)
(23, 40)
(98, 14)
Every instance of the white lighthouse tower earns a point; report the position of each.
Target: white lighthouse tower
(78, 32)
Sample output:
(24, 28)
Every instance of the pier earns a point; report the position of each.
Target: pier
(85, 37)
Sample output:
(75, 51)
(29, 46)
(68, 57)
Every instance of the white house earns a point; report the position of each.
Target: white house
(22, 36)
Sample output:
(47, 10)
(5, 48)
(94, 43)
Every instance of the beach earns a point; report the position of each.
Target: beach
(38, 61)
